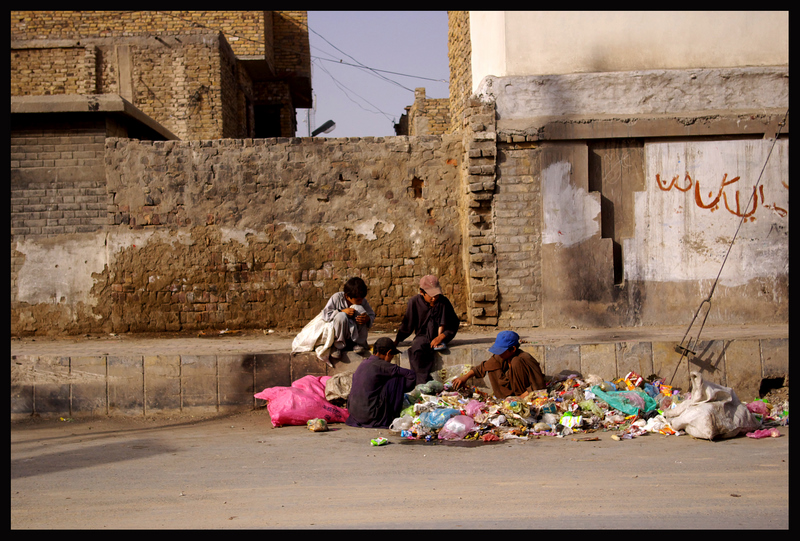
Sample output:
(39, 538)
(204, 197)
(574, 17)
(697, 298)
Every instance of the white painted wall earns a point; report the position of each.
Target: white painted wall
(571, 214)
(688, 215)
(554, 42)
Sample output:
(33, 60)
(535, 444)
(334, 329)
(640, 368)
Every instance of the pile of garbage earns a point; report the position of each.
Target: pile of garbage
(631, 406)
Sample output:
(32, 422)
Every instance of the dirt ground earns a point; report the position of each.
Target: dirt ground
(239, 472)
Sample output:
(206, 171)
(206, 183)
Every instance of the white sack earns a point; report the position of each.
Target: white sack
(713, 411)
(316, 336)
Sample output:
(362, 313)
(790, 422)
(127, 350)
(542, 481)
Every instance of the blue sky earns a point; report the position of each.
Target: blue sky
(365, 66)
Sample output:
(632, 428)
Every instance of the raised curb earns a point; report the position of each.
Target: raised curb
(145, 384)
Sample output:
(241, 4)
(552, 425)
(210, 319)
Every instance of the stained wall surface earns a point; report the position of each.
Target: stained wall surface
(247, 234)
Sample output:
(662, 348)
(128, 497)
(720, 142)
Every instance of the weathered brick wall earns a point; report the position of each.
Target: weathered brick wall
(57, 177)
(46, 71)
(459, 50)
(428, 116)
(517, 230)
(243, 29)
(188, 87)
(292, 51)
(193, 87)
(180, 68)
(259, 233)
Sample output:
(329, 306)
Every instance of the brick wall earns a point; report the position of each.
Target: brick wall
(428, 116)
(517, 229)
(292, 52)
(57, 177)
(180, 68)
(243, 29)
(459, 50)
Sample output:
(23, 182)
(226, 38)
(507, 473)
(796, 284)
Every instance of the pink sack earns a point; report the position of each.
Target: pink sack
(303, 401)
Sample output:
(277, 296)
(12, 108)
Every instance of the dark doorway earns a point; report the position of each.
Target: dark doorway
(267, 118)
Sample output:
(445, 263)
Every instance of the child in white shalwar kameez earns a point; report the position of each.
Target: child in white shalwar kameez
(345, 319)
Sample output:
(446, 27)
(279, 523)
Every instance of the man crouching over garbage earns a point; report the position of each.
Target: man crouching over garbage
(511, 371)
(376, 396)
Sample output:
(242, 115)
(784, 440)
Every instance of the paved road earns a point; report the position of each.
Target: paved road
(239, 472)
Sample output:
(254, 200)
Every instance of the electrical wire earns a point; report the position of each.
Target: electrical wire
(359, 65)
(685, 348)
(346, 91)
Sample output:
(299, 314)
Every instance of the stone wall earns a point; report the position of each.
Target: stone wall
(249, 234)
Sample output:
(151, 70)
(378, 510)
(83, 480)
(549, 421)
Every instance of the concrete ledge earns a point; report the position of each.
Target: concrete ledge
(90, 103)
(148, 385)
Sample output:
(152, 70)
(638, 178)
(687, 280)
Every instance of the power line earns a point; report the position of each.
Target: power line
(384, 71)
(346, 92)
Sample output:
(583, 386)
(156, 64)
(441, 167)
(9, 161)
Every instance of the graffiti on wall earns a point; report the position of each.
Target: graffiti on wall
(734, 204)
(697, 193)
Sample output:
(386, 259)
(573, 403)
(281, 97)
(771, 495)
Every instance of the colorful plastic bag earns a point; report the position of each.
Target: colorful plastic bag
(437, 418)
(765, 433)
(629, 402)
(303, 401)
(456, 428)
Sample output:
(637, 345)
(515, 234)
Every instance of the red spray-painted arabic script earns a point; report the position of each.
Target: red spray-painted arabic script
(734, 206)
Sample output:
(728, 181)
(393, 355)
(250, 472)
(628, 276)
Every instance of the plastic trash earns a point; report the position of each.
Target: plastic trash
(758, 407)
(766, 433)
(402, 423)
(629, 402)
(432, 387)
(437, 418)
(570, 420)
(550, 418)
(473, 408)
(379, 441)
(456, 428)
(317, 425)
(302, 401)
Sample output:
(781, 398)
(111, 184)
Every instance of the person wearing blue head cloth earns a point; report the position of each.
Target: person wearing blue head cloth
(511, 371)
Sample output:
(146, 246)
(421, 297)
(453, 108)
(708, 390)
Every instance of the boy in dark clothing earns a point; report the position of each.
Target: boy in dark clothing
(376, 395)
(431, 317)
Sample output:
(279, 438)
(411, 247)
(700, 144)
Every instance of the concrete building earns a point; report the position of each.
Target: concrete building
(616, 158)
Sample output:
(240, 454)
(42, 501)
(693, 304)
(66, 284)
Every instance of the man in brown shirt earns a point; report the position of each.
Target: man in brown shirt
(511, 371)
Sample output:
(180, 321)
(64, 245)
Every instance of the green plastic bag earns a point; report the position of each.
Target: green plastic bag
(629, 402)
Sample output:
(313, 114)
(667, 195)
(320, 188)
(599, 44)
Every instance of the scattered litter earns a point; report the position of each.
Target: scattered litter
(379, 441)
(570, 405)
(765, 433)
(317, 425)
(214, 334)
